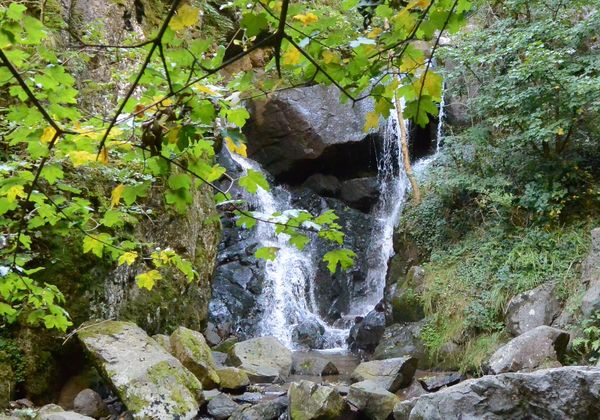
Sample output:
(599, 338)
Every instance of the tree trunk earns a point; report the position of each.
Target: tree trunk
(405, 157)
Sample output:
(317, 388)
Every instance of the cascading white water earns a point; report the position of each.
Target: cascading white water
(289, 282)
(287, 297)
(393, 187)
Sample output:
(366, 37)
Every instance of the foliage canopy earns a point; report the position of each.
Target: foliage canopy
(182, 100)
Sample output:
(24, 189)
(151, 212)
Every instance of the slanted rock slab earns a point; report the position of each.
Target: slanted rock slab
(540, 347)
(528, 310)
(150, 381)
(233, 378)
(193, 352)
(309, 401)
(562, 393)
(312, 365)
(264, 359)
(390, 374)
(372, 400)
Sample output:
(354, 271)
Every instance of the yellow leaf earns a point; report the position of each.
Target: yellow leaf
(186, 16)
(418, 3)
(148, 279)
(240, 148)
(330, 57)
(306, 19)
(128, 258)
(411, 64)
(291, 56)
(560, 131)
(115, 196)
(173, 135)
(206, 90)
(432, 85)
(405, 19)
(103, 155)
(374, 33)
(371, 121)
(15, 191)
(80, 157)
(48, 135)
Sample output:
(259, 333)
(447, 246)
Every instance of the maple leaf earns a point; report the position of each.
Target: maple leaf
(186, 16)
(115, 196)
(371, 121)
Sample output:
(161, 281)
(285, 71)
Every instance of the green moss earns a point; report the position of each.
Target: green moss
(102, 328)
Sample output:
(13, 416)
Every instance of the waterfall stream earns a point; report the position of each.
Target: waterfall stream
(289, 281)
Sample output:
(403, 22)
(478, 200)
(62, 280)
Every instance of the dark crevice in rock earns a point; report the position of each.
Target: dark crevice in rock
(344, 161)
(422, 141)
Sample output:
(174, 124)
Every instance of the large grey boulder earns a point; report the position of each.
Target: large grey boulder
(89, 403)
(390, 374)
(373, 401)
(590, 277)
(538, 348)
(528, 310)
(360, 193)
(264, 359)
(401, 340)
(366, 333)
(309, 334)
(267, 410)
(193, 352)
(563, 393)
(221, 407)
(309, 401)
(232, 378)
(150, 381)
(306, 364)
(301, 124)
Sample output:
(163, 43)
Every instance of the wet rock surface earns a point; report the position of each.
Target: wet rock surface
(366, 332)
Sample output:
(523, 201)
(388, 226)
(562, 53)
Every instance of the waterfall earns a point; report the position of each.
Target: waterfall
(393, 187)
(287, 296)
(288, 280)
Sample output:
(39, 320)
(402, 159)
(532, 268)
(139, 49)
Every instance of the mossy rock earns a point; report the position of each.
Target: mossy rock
(407, 305)
(150, 381)
(193, 352)
(7, 381)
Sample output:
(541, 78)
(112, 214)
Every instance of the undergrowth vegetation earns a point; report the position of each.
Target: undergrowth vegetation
(510, 204)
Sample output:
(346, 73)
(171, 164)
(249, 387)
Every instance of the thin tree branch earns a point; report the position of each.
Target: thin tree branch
(155, 44)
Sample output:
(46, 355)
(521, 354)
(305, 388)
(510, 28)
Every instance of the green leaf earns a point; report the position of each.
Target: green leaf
(178, 181)
(299, 241)
(132, 192)
(112, 218)
(252, 180)
(52, 173)
(254, 24)
(245, 221)
(237, 116)
(343, 257)
(268, 253)
(96, 243)
(418, 110)
(15, 11)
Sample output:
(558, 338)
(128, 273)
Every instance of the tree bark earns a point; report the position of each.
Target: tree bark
(405, 156)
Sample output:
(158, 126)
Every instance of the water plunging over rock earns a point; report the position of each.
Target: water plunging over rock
(294, 297)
